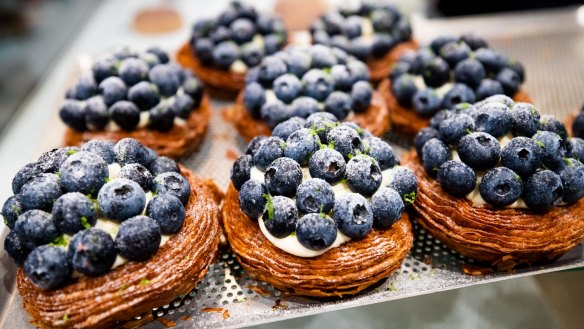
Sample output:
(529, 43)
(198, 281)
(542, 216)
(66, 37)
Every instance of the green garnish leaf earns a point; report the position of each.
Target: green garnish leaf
(144, 282)
(70, 152)
(331, 145)
(468, 131)
(410, 197)
(65, 318)
(293, 233)
(327, 70)
(568, 162)
(540, 143)
(282, 146)
(60, 241)
(85, 223)
(269, 207)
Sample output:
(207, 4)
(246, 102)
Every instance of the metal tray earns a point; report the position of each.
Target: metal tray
(228, 297)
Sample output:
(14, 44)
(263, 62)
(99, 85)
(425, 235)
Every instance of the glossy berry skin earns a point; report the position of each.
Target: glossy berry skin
(491, 60)
(470, 72)
(501, 187)
(316, 232)
(553, 149)
(405, 183)
(317, 84)
(283, 176)
(304, 106)
(387, 207)
(112, 89)
(73, 212)
(455, 52)
(522, 155)
(72, 112)
(25, 174)
(487, 88)
(83, 172)
(193, 87)
(144, 95)
(287, 87)
(301, 144)
(321, 57)
(121, 199)
(96, 113)
(436, 72)
(35, 228)
(543, 190)
(381, 151)
(15, 248)
(575, 148)
(183, 106)
(363, 175)
(526, 120)
(40, 192)
(125, 114)
(340, 104)
(103, 148)
(442, 115)
(138, 238)
(254, 144)
(129, 150)
(456, 178)
(163, 164)
(51, 161)
(322, 123)
(286, 128)
(47, 267)
(139, 174)
(103, 68)
(298, 63)
(240, 172)
(161, 54)
(353, 215)
(459, 93)
(454, 128)
(550, 123)
(404, 88)
(269, 150)
(166, 78)
(493, 118)
(280, 216)
(242, 30)
(161, 117)
(315, 196)
(251, 198)
(341, 77)
(270, 68)
(133, 70)
(361, 94)
(168, 212)
(572, 176)
(434, 153)
(11, 210)
(252, 54)
(254, 97)
(327, 164)
(479, 150)
(422, 137)
(92, 252)
(173, 183)
(509, 80)
(473, 41)
(346, 141)
(426, 102)
(274, 112)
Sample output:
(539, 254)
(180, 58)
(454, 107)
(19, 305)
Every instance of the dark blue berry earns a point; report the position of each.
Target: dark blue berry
(426, 102)
(121, 199)
(436, 72)
(96, 113)
(493, 118)
(203, 50)
(269, 69)
(315, 196)
(286, 128)
(550, 123)
(518, 68)
(316, 231)
(491, 60)
(473, 41)
(469, 72)
(183, 106)
(509, 80)
(35, 228)
(459, 93)
(353, 215)
(252, 54)
(168, 212)
(51, 161)
(270, 149)
(287, 87)
(242, 30)
(327, 164)
(254, 145)
(543, 190)
(340, 104)
(381, 151)
(501, 187)
(280, 216)
(225, 53)
(274, 112)
(15, 248)
(358, 69)
(572, 176)
(382, 44)
(125, 114)
(73, 212)
(133, 70)
(405, 183)
(387, 207)
(361, 94)
(456, 178)
(72, 112)
(166, 77)
(160, 53)
(144, 95)
(83, 172)
(301, 144)
(479, 150)
(173, 183)
(526, 120)
(283, 176)
(322, 123)
(251, 198)
(317, 84)
(163, 164)
(85, 87)
(434, 153)
(361, 48)
(139, 174)
(575, 148)
(11, 210)
(138, 238)
(487, 88)
(422, 137)
(47, 267)
(40, 192)
(321, 56)
(254, 97)
(346, 141)
(129, 150)
(439, 42)
(112, 89)
(454, 128)
(104, 68)
(363, 175)
(193, 87)
(444, 114)
(241, 170)
(92, 252)
(161, 117)
(553, 149)
(522, 155)
(455, 52)
(25, 174)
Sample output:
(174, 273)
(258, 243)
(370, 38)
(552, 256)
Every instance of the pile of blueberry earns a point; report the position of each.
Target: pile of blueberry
(539, 164)
(238, 33)
(335, 153)
(476, 70)
(300, 81)
(59, 199)
(126, 87)
(578, 125)
(369, 31)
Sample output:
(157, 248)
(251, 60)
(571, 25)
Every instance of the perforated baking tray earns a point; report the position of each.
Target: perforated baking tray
(228, 297)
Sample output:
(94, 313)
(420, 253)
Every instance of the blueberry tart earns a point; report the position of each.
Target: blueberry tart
(223, 49)
(140, 95)
(500, 183)
(375, 32)
(107, 232)
(449, 71)
(319, 211)
(302, 80)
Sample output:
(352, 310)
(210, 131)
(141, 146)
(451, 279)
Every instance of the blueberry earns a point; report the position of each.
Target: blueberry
(346, 141)
(40, 192)
(382, 44)
(436, 72)
(434, 154)
(317, 84)
(129, 150)
(543, 190)
(327, 164)
(501, 187)
(168, 212)
(159, 52)
(315, 196)
(254, 145)
(352, 26)
(35, 228)
(274, 112)
(316, 231)
(361, 94)
(252, 54)
(487, 88)
(92, 252)
(161, 117)
(220, 34)
(553, 149)
(455, 52)
(440, 42)
(73, 212)
(242, 30)
(456, 178)
(163, 164)
(83, 172)
(405, 183)
(173, 183)
(254, 98)
(183, 106)
(473, 41)
(298, 63)
(363, 175)
(572, 176)
(403, 89)
(355, 126)
(341, 77)
(353, 215)
(15, 248)
(382, 20)
(270, 149)
(398, 69)
(340, 104)
(51, 161)
(150, 59)
(25, 174)
(139, 174)
(72, 112)
(104, 68)
(509, 80)
(241, 171)
(280, 216)
(283, 176)
(522, 155)
(193, 87)
(340, 41)
(470, 72)
(112, 89)
(361, 48)
(454, 128)
(321, 56)
(301, 144)
(166, 77)
(526, 120)
(251, 198)
(322, 123)
(479, 150)
(459, 93)
(269, 69)
(11, 210)
(287, 87)
(358, 69)
(133, 70)
(225, 53)
(426, 102)
(203, 50)
(491, 60)
(381, 151)
(138, 238)
(273, 43)
(96, 113)
(494, 119)
(518, 68)
(503, 99)
(387, 207)
(265, 24)
(124, 52)
(121, 199)
(125, 114)
(550, 123)
(47, 267)
(575, 148)
(85, 87)
(422, 137)
(144, 95)
(286, 128)
(444, 114)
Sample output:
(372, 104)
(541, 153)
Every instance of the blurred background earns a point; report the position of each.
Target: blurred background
(45, 43)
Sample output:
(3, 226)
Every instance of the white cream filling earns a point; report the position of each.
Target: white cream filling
(238, 66)
(440, 91)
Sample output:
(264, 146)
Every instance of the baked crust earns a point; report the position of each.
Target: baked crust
(379, 68)
(177, 143)
(406, 120)
(502, 237)
(375, 118)
(346, 270)
(222, 83)
(116, 297)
